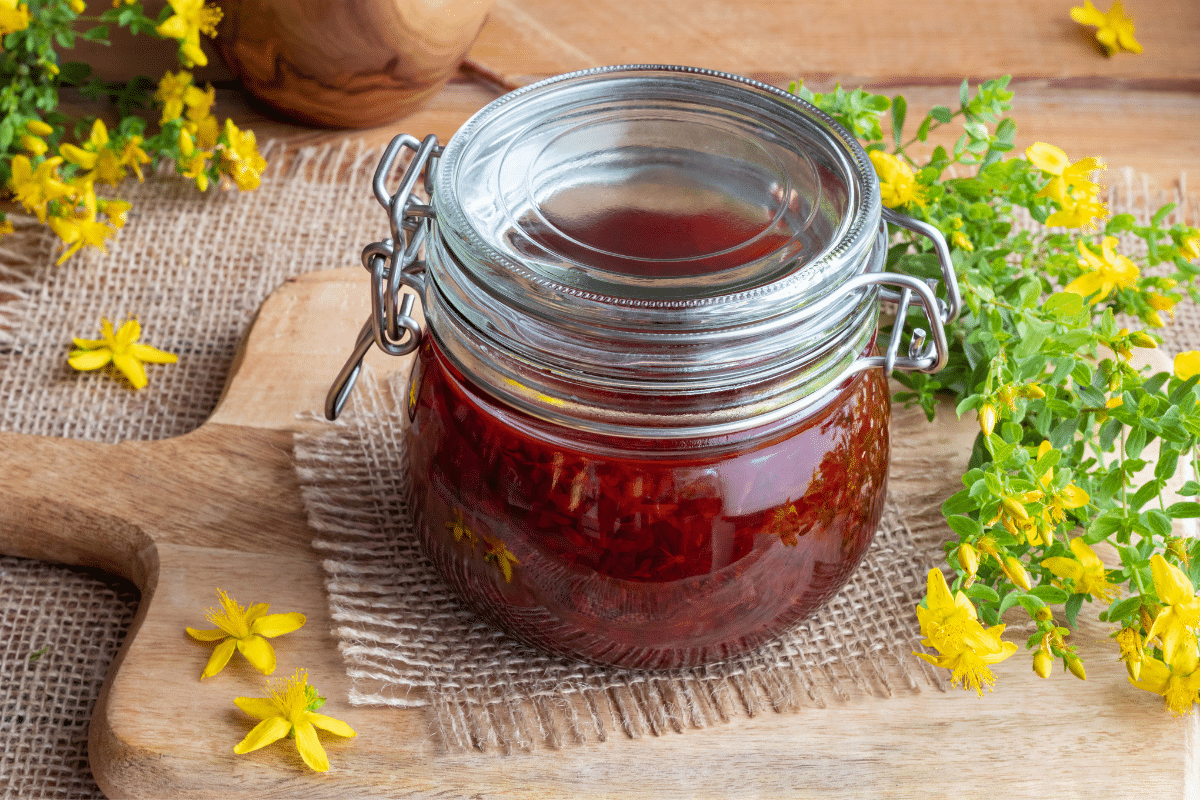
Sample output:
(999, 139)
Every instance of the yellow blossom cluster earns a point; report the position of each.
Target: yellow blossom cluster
(1176, 675)
(951, 626)
(71, 207)
(191, 18)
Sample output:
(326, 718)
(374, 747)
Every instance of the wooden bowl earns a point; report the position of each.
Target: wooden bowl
(347, 63)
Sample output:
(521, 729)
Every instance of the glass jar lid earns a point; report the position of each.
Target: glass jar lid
(655, 188)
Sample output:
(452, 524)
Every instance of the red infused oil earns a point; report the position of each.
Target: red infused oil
(641, 552)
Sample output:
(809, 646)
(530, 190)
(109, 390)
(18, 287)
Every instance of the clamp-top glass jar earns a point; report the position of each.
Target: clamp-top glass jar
(648, 417)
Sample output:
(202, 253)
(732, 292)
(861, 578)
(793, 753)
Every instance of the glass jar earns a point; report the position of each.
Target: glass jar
(648, 416)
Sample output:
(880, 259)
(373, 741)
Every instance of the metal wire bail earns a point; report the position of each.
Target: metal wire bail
(391, 326)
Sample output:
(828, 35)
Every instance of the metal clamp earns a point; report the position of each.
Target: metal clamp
(903, 290)
(391, 326)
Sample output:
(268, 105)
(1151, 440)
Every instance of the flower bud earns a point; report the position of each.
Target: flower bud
(1032, 391)
(1043, 614)
(1043, 662)
(1075, 666)
(34, 145)
(987, 418)
(1015, 572)
(968, 558)
(1141, 339)
(1133, 667)
(38, 128)
(78, 6)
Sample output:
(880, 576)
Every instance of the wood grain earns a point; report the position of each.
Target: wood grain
(220, 507)
(347, 64)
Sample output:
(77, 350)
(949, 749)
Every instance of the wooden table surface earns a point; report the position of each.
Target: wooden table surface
(1136, 111)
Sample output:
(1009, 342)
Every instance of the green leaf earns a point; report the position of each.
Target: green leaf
(1125, 608)
(1008, 602)
(1073, 604)
(97, 34)
(983, 592)
(1051, 595)
(923, 129)
(964, 526)
(941, 114)
(899, 111)
(1064, 306)
(1184, 510)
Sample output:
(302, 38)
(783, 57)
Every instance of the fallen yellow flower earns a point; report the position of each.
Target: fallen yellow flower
(291, 709)
(1114, 30)
(122, 350)
(244, 629)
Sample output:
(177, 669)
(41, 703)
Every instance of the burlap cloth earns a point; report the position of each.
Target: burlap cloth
(195, 269)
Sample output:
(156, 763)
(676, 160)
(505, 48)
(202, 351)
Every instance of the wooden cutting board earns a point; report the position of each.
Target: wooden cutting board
(221, 507)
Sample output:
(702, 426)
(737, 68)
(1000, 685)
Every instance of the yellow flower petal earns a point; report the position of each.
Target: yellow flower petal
(334, 726)
(206, 635)
(219, 658)
(85, 360)
(264, 733)
(1171, 584)
(258, 652)
(151, 355)
(1187, 364)
(258, 707)
(131, 368)
(1047, 157)
(273, 625)
(310, 747)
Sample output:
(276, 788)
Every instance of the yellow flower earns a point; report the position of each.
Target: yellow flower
(206, 131)
(1181, 609)
(1085, 571)
(96, 156)
(78, 6)
(121, 349)
(171, 91)
(199, 101)
(1191, 247)
(191, 18)
(78, 228)
(1129, 640)
(960, 240)
(244, 629)
(193, 163)
(987, 418)
(1104, 272)
(897, 183)
(6, 227)
(1114, 29)
(132, 155)
(115, 210)
(1187, 364)
(1176, 677)
(291, 710)
(1068, 497)
(1043, 662)
(1079, 213)
(948, 623)
(14, 16)
(38, 128)
(34, 189)
(240, 158)
(499, 554)
(1054, 161)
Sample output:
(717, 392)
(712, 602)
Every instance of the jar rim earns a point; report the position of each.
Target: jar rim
(519, 186)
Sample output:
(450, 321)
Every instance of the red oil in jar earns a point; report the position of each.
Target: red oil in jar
(651, 554)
